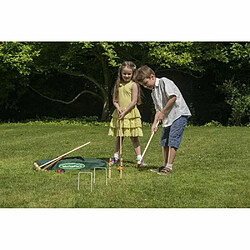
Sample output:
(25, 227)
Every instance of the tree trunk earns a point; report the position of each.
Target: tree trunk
(105, 110)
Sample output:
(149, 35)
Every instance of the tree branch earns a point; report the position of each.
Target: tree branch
(72, 73)
(66, 102)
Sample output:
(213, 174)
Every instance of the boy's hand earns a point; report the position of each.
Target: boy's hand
(154, 128)
(160, 116)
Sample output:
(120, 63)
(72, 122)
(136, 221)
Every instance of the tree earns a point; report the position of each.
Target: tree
(236, 85)
(93, 62)
(16, 64)
(97, 62)
(90, 69)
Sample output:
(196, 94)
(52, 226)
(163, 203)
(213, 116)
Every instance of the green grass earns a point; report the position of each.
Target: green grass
(211, 169)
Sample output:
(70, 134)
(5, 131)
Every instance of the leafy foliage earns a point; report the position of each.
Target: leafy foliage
(16, 65)
(66, 72)
(17, 56)
(238, 97)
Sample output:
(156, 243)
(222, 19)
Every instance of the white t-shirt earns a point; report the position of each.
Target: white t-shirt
(163, 89)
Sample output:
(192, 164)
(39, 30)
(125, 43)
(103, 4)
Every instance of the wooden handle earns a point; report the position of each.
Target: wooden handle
(59, 157)
(148, 144)
(120, 138)
(52, 163)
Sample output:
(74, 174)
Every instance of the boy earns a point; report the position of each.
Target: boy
(171, 109)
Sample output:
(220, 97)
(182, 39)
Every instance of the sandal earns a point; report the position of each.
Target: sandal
(165, 171)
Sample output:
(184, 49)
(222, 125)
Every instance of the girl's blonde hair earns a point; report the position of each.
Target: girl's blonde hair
(119, 80)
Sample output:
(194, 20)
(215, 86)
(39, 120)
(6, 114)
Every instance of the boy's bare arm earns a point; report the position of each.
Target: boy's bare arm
(169, 104)
(154, 127)
(159, 115)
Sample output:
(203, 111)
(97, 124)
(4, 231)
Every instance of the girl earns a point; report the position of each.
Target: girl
(126, 96)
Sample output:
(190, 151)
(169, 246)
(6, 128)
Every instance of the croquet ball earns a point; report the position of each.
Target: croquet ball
(59, 170)
(63, 170)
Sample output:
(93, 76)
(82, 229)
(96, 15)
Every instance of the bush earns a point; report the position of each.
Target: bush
(238, 97)
(213, 124)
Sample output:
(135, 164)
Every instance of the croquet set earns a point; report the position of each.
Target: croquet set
(61, 163)
(72, 163)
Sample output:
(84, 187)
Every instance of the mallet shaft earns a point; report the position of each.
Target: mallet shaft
(52, 163)
(120, 138)
(121, 160)
(61, 156)
(148, 144)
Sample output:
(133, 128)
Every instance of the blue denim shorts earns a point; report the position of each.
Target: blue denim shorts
(171, 136)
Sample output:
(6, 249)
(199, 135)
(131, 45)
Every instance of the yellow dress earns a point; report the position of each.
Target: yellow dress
(131, 123)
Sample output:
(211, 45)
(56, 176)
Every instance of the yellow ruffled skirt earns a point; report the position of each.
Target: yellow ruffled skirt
(131, 124)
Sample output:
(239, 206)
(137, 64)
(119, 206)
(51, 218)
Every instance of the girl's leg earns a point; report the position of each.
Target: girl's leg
(116, 150)
(136, 145)
(117, 145)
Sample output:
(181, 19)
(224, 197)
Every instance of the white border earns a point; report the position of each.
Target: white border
(111, 20)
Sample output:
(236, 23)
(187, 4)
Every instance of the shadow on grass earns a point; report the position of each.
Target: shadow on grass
(125, 162)
(146, 168)
(132, 164)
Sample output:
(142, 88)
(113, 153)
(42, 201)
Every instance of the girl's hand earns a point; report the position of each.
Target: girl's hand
(119, 110)
(121, 115)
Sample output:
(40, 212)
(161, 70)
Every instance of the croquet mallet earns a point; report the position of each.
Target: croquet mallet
(120, 168)
(139, 162)
(51, 162)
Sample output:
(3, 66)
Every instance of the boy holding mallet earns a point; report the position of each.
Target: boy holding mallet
(171, 110)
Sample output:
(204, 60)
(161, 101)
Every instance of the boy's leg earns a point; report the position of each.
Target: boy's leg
(172, 155)
(174, 140)
(164, 143)
(175, 135)
(165, 154)
(168, 156)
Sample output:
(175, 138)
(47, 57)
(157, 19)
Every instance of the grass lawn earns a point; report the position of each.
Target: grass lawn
(211, 169)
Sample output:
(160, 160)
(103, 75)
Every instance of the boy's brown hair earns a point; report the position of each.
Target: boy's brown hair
(142, 73)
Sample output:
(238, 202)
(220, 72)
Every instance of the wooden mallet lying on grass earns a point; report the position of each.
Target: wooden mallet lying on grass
(53, 161)
(139, 162)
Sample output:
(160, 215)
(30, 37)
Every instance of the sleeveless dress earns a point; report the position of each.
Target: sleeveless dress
(131, 123)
